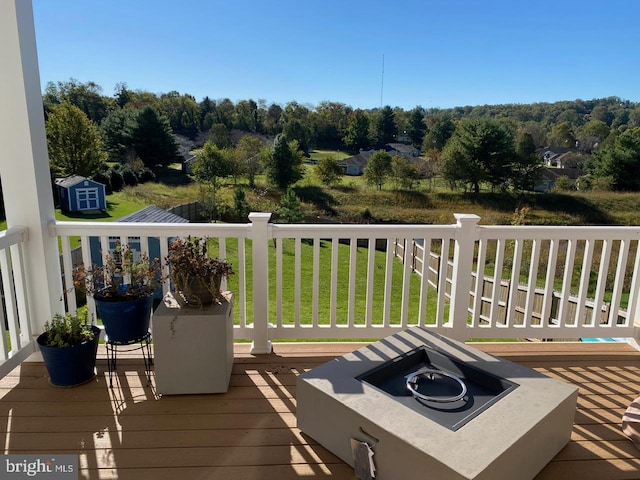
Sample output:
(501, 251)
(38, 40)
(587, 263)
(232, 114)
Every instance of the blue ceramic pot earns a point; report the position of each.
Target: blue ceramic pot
(70, 366)
(125, 321)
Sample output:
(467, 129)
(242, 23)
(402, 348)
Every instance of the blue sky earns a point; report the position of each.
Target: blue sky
(437, 53)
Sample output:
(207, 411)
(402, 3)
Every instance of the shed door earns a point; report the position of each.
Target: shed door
(87, 198)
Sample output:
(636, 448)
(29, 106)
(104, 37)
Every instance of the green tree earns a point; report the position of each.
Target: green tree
(561, 184)
(562, 136)
(74, 143)
(220, 136)
(250, 148)
(86, 96)
(439, 130)
(404, 173)
(182, 111)
(385, 129)
(524, 144)
(378, 169)
(357, 131)
(329, 122)
(210, 167)
(283, 165)
(296, 125)
(417, 127)
(479, 150)
(247, 116)
(117, 131)
(272, 124)
(241, 207)
(296, 130)
(289, 210)
(620, 161)
(153, 139)
(328, 171)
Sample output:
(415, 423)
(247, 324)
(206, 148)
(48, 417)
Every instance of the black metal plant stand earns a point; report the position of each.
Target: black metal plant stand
(143, 344)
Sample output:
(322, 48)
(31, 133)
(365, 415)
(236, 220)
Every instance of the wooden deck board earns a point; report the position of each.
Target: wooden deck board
(129, 432)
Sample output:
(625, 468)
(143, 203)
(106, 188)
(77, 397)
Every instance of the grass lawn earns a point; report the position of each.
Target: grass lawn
(317, 155)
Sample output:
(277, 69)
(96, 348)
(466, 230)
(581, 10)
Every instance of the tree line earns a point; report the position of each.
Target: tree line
(490, 145)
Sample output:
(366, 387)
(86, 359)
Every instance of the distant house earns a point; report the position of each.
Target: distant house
(548, 177)
(402, 149)
(80, 194)
(355, 165)
(553, 156)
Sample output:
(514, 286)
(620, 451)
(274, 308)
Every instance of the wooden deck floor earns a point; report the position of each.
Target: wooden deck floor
(128, 432)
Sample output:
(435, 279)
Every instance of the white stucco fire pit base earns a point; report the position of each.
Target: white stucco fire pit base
(512, 437)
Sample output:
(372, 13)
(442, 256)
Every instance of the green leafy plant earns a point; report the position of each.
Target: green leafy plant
(196, 276)
(67, 330)
(122, 276)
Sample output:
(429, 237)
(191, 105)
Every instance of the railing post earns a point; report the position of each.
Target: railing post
(259, 235)
(461, 276)
(633, 310)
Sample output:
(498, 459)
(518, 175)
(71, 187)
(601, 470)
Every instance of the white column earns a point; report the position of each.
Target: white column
(260, 252)
(461, 277)
(24, 162)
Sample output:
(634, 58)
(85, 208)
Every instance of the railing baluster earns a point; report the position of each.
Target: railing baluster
(549, 284)
(353, 257)
(388, 281)
(424, 281)
(603, 272)
(514, 284)
(478, 299)
(297, 282)
(584, 282)
(497, 283)
(240, 303)
(566, 285)
(634, 292)
(335, 244)
(222, 254)
(24, 313)
(279, 242)
(67, 266)
(371, 257)
(406, 281)
(618, 285)
(316, 282)
(532, 284)
(442, 281)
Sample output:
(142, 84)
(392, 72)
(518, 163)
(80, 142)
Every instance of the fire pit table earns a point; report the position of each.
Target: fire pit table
(432, 407)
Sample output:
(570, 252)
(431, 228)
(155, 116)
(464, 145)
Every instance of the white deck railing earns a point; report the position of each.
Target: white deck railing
(346, 281)
(16, 343)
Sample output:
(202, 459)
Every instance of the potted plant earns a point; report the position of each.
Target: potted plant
(69, 347)
(194, 340)
(122, 288)
(196, 276)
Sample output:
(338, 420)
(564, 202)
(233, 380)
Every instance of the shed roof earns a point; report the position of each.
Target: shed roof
(153, 214)
(72, 180)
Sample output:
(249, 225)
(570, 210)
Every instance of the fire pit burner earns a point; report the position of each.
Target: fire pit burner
(430, 374)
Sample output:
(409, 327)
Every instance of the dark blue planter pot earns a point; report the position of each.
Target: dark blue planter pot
(127, 321)
(70, 366)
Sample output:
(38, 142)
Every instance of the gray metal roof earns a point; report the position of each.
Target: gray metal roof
(72, 180)
(153, 214)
